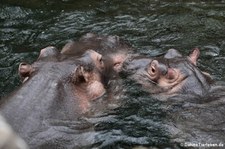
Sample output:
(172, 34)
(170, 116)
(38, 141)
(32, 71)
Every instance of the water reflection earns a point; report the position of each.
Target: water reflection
(151, 26)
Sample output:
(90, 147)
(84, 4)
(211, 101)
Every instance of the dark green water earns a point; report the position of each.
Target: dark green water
(151, 26)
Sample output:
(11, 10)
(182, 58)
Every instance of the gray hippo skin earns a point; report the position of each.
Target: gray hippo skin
(193, 102)
(57, 91)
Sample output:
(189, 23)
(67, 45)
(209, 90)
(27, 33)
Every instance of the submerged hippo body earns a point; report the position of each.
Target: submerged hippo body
(57, 91)
(194, 104)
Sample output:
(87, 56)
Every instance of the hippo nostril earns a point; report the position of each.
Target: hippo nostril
(157, 69)
(153, 70)
(154, 65)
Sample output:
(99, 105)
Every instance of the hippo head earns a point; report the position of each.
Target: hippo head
(114, 50)
(54, 75)
(170, 74)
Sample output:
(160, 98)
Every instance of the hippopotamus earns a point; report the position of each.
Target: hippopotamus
(114, 49)
(169, 74)
(62, 88)
(191, 100)
(57, 91)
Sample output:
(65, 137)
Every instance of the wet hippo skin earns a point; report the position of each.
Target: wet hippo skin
(57, 91)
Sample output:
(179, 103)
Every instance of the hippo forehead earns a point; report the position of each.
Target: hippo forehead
(171, 62)
(55, 69)
(63, 65)
(101, 44)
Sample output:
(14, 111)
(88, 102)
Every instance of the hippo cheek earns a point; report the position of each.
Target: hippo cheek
(89, 82)
(95, 89)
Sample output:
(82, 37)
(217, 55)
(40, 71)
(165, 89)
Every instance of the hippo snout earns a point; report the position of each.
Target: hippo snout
(156, 69)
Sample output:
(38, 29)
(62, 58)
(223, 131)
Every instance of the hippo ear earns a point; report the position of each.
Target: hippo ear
(88, 36)
(81, 75)
(48, 51)
(73, 47)
(25, 70)
(208, 77)
(172, 53)
(68, 48)
(193, 56)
